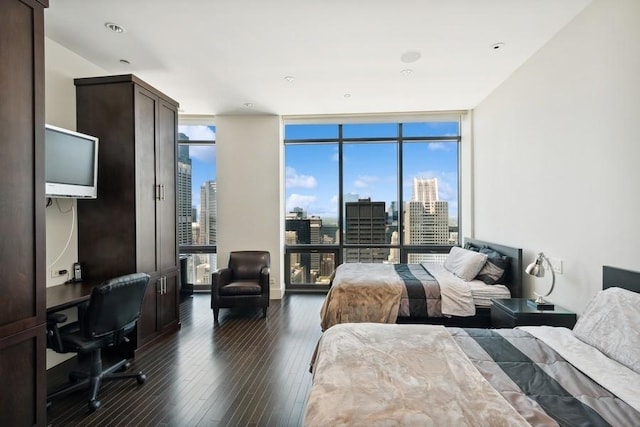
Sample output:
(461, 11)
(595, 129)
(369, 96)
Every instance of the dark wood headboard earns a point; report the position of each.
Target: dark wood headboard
(514, 276)
(618, 277)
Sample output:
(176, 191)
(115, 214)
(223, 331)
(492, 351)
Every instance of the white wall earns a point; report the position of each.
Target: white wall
(557, 150)
(61, 67)
(250, 189)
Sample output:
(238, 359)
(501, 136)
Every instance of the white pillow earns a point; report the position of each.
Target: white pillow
(464, 263)
(611, 323)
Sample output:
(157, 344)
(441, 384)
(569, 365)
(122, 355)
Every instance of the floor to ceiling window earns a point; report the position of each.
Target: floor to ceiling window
(197, 205)
(383, 192)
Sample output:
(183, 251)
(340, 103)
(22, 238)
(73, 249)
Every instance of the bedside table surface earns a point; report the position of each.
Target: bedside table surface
(520, 306)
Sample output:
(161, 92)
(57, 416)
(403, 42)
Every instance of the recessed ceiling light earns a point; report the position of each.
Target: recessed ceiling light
(114, 27)
(347, 95)
(289, 79)
(406, 71)
(125, 62)
(497, 46)
(410, 56)
(248, 104)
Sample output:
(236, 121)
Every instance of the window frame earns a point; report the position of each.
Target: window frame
(400, 140)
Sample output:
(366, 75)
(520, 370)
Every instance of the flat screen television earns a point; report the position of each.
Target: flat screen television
(71, 164)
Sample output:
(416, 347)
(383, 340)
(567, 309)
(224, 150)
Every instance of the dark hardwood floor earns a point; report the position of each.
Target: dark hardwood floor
(246, 372)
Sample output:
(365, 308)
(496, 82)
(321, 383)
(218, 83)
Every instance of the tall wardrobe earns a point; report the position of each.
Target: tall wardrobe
(131, 226)
(22, 214)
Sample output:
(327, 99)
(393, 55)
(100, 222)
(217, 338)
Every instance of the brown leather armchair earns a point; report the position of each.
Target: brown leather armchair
(244, 283)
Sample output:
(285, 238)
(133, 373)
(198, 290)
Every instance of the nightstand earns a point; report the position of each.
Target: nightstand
(512, 312)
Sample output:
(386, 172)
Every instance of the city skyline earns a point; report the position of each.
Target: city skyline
(369, 169)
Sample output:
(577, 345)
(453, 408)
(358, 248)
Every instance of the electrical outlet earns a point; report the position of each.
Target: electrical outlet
(557, 265)
(56, 273)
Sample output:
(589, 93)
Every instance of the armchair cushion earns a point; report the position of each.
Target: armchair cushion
(241, 287)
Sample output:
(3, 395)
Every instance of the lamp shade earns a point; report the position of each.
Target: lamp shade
(536, 268)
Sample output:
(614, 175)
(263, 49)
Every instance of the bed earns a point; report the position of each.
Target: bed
(419, 293)
(430, 375)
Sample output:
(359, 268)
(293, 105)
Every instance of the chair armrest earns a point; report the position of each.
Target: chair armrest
(220, 278)
(53, 331)
(264, 279)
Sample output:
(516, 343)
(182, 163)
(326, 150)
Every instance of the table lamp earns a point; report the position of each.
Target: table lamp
(536, 269)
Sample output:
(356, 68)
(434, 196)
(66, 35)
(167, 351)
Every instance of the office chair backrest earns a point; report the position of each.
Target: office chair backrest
(115, 305)
(247, 264)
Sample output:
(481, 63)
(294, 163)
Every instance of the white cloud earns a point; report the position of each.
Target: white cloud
(294, 180)
(300, 201)
(198, 133)
(204, 153)
(364, 181)
(440, 146)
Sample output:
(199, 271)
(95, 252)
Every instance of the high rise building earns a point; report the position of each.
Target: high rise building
(185, 213)
(315, 226)
(394, 253)
(425, 190)
(295, 222)
(329, 232)
(365, 223)
(208, 213)
(426, 218)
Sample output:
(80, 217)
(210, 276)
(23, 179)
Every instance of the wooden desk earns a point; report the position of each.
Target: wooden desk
(60, 297)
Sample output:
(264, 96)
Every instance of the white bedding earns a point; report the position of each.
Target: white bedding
(483, 293)
(455, 293)
(474, 293)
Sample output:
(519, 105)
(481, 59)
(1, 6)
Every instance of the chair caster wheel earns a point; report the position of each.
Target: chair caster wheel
(141, 378)
(93, 405)
(124, 367)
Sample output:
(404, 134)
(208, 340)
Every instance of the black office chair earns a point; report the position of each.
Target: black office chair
(111, 313)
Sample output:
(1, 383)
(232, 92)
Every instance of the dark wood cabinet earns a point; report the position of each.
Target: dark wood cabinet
(22, 214)
(512, 312)
(131, 226)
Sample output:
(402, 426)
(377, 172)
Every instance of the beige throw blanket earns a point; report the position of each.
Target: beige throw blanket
(360, 379)
(363, 292)
(352, 299)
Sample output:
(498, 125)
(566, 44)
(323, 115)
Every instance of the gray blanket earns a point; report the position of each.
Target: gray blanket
(388, 375)
(539, 383)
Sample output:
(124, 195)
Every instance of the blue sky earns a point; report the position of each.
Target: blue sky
(370, 170)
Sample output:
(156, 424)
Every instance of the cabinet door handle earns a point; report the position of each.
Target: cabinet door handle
(162, 192)
(157, 188)
(159, 286)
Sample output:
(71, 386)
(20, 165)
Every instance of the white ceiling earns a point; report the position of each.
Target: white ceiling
(215, 56)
